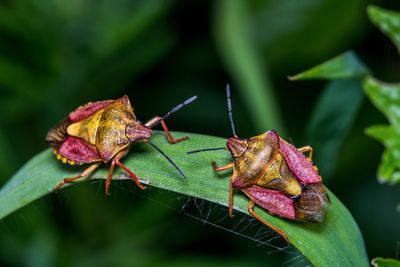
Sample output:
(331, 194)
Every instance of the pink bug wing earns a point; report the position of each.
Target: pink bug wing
(302, 168)
(88, 109)
(272, 200)
(78, 150)
(56, 135)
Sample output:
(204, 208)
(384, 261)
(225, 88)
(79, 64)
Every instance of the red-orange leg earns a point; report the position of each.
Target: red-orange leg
(109, 176)
(85, 173)
(171, 139)
(255, 215)
(308, 149)
(116, 161)
(223, 168)
(231, 196)
(156, 120)
(131, 174)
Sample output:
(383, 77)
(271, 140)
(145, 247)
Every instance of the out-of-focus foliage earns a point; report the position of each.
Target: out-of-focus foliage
(386, 97)
(238, 50)
(336, 108)
(387, 21)
(57, 55)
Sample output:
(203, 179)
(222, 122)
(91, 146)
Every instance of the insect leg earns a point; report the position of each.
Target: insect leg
(109, 176)
(223, 168)
(171, 139)
(156, 120)
(308, 149)
(131, 174)
(255, 215)
(85, 173)
(230, 196)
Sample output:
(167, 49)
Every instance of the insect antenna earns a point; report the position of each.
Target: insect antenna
(168, 158)
(205, 149)
(178, 107)
(228, 100)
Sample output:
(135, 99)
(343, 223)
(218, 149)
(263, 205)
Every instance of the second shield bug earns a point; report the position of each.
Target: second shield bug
(104, 131)
(275, 175)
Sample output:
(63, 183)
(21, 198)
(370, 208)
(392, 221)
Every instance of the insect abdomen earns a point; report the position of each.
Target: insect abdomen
(312, 203)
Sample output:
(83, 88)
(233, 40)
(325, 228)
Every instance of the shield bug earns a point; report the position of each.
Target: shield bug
(103, 131)
(275, 175)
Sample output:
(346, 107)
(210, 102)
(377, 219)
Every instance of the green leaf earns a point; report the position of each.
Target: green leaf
(387, 21)
(382, 262)
(389, 169)
(331, 120)
(386, 97)
(336, 108)
(241, 57)
(343, 66)
(337, 241)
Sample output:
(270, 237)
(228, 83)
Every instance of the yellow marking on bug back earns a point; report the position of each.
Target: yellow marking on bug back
(86, 128)
(278, 176)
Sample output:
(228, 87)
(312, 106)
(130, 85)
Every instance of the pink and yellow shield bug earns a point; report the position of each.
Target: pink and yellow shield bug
(275, 175)
(103, 131)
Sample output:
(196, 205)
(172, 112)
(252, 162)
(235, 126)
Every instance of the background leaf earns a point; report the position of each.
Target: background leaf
(338, 104)
(386, 97)
(336, 241)
(336, 108)
(387, 21)
(243, 60)
(343, 66)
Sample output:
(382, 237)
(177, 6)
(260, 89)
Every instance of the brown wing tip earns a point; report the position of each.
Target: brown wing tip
(56, 135)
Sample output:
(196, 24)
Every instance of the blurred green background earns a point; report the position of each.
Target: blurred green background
(56, 55)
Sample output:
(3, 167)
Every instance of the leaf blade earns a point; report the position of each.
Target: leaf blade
(331, 120)
(386, 97)
(343, 66)
(242, 59)
(322, 244)
(387, 21)
(385, 262)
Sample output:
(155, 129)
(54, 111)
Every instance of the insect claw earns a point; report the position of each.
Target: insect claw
(230, 212)
(214, 165)
(60, 184)
(177, 140)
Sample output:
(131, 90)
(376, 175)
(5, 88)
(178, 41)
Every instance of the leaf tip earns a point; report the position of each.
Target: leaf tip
(372, 9)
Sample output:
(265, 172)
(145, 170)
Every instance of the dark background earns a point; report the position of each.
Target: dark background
(57, 55)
